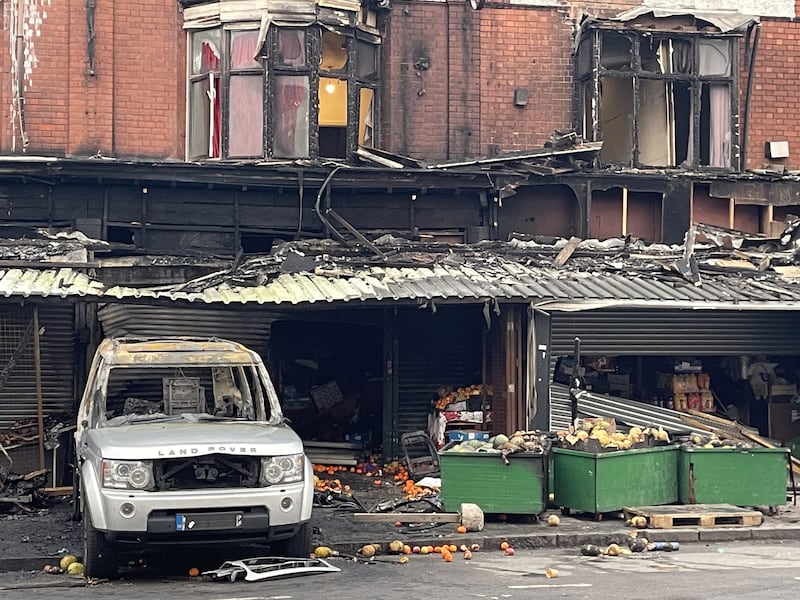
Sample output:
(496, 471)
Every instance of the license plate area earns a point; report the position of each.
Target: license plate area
(209, 521)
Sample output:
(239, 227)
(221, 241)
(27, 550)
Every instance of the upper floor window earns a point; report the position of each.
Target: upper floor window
(297, 92)
(659, 99)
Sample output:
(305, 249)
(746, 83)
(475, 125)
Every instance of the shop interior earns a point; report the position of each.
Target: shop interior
(759, 391)
(328, 376)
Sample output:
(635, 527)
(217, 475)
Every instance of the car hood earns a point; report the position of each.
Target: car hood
(147, 441)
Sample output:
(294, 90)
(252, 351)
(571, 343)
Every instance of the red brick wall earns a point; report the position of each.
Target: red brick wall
(775, 103)
(131, 107)
(528, 49)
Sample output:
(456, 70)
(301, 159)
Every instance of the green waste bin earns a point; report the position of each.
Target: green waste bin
(610, 481)
(738, 476)
(483, 478)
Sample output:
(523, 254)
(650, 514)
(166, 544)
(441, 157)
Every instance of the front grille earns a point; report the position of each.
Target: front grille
(204, 472)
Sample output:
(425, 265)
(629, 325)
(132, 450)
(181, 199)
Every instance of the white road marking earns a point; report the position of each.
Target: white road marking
(549, 585)
(257, 598)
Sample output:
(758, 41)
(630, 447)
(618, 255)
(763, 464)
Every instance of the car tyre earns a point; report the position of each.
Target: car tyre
(100, 561)
(298, 546)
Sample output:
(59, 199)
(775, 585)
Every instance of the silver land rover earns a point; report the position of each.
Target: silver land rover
(181, 441)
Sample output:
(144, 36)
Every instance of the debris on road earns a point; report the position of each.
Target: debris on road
(269, 567)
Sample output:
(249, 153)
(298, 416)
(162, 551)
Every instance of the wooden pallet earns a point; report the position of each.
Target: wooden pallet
(696, 515)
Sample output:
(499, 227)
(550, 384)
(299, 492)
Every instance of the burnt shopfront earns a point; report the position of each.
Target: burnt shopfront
(743, 364)
(362, 374)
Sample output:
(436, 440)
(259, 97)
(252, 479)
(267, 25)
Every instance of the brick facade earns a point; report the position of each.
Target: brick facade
(449, 79)
(132, 106)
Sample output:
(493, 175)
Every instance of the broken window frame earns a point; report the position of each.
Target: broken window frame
(590, 75)
(362, 84)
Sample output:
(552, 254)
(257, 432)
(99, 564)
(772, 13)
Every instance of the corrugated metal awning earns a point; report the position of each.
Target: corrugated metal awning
(622, 410)
(63, 283)
(493, 278)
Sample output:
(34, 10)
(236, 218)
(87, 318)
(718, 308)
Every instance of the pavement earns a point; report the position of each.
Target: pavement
(36, 537)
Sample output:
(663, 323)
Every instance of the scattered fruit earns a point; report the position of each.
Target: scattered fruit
(324, 552)
(637, 544)
(591, 550)
(368, 550)
(424, 550)
(194, 572)
(509, 551)
(612, 550)
(463, 548)
(461, 529)
(52, 569)
(447, 557)
(66, 561)
(475, 547)
(437, 549)
(467, 554)
(406, 549)
(396, 546)
(416, 549)
(75, 568)
(452, 548)
(403, 560)
(504, 545)
(553, 520)
(639, 522)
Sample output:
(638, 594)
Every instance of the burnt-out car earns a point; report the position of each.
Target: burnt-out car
(182, 442)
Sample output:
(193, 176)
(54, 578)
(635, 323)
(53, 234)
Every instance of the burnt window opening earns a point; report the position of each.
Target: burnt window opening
(298, 92)
(659, 99)
(121, 235)
(254, 243)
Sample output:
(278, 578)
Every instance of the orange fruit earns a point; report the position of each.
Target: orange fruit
(447, 557)
(406, 549)
(461, 529)
(452, 548)
(437, 549)
(194, 572)
(504, 545)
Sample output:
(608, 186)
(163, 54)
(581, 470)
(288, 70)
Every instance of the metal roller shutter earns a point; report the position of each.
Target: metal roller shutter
(435, 349)
(246, 326)
(57, 349)
(665, 333)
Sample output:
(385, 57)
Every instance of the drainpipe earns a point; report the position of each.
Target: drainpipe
(20, 66)
(751, 57)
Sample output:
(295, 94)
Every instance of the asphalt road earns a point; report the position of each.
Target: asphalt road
(697, 571)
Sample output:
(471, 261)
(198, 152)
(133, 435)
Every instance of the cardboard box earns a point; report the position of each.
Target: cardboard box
(788, 390)
(615, 380)
(624, 391)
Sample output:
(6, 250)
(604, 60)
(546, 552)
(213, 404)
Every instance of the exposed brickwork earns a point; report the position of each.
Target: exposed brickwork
(775, 103)
(450, 74)
(132, 106)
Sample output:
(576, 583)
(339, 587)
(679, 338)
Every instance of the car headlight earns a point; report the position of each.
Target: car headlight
(128, 474)
(282, 469)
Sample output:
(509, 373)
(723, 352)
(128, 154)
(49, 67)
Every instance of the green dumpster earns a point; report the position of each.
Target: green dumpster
(483, 478)
(738, 476)
(610, 481)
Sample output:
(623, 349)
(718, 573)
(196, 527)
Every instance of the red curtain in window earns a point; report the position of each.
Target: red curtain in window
(209, 62)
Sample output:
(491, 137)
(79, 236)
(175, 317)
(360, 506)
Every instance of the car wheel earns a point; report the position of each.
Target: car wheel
(99, 558)
(298, 546)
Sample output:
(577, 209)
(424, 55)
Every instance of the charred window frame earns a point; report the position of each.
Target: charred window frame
(311, 91)
(636, 90)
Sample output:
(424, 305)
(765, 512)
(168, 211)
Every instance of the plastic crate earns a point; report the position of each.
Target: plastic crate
(458, 435)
